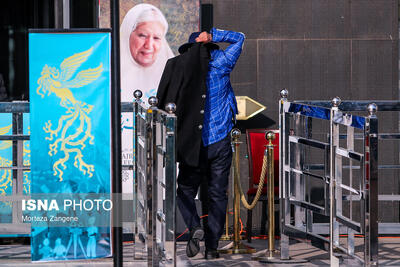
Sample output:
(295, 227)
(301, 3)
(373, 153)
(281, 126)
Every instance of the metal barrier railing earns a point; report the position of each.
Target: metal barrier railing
(387, 169)
(300, 147)
(155, 187)
(14, 170)
(155, 178)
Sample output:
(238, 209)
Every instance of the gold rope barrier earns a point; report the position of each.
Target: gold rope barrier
(236, 246)
(260, 184)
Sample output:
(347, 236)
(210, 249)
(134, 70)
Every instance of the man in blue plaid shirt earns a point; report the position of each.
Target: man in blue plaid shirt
(220, 102)
(216, 152)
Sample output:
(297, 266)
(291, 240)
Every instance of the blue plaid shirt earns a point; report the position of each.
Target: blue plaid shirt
(221, 107)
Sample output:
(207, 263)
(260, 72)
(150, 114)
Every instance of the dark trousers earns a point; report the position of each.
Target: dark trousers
(215, 162)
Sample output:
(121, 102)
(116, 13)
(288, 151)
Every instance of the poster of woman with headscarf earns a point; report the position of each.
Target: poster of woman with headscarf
(150, 33)
(144, 51)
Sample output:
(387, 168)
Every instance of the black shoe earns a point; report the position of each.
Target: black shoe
(193, 246)
(211, 254)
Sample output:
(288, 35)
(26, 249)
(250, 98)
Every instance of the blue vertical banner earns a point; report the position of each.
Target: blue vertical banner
(26, 155)
(6, 179)
(70, 85)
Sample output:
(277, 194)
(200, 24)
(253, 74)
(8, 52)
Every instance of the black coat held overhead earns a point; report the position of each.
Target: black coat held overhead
(184, 83)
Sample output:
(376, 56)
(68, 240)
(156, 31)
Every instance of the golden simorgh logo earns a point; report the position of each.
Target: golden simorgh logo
(74, 128)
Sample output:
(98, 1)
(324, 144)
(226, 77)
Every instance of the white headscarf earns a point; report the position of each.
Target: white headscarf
(134, 76)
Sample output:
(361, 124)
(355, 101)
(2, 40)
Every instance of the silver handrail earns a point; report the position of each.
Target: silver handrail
(300, 149)
(155, 182)
(17, 170)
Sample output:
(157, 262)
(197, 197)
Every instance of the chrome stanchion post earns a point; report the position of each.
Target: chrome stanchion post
(271, 255)
(333, 225)
(138, 95)
(371, 244)
(169, 208)
(142, 174)
(271, 201)
(152, 255)
(284, 205)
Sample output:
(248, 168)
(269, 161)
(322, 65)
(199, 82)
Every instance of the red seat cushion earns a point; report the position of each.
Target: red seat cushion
(257, 144)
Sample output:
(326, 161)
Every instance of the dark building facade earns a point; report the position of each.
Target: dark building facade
(17, 17)
(318, 49)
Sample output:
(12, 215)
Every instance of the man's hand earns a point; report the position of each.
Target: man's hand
(204, 37)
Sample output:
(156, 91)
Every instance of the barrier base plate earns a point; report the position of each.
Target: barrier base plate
(226, 238)
(267, 256)
(231, 238)
(239, 248)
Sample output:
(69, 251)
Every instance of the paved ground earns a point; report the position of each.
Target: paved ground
(389, 255)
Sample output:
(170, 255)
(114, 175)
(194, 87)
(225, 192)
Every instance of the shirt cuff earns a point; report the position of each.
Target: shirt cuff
(216, 35)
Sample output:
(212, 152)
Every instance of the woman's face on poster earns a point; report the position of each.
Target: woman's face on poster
(145, 42)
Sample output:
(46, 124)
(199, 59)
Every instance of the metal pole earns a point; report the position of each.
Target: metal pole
(116, 134)
(137, 216)
(58, 14)
(226, 224)
(371, 224)
(226, 236)
(236, 247)
(271, 211)
(284, 212)
(271, 255)
(153, 256)
(170, 189)
(334, 261)
(236, 199)
(66, 14)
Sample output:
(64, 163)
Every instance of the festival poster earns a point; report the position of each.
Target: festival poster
(26, 155)
(70, 85)
(6, 179)
(151, 32)
(6, 174)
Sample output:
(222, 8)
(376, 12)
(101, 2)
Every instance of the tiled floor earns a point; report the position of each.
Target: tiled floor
(389, 255)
